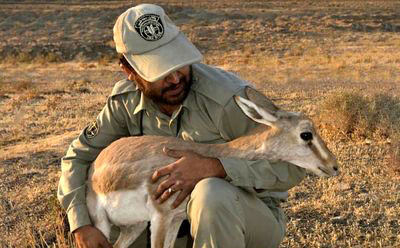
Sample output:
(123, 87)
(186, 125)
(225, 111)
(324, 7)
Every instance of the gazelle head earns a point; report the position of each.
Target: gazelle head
(293, 136)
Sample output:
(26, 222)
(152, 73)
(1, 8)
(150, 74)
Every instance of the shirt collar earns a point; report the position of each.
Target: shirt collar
(144, 103)
(190, 101)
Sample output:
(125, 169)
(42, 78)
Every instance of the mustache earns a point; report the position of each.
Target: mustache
(174, 86)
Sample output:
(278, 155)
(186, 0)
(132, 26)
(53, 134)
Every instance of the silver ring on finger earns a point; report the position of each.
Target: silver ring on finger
(170, 190)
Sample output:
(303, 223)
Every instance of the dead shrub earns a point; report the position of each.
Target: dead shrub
(386, 112)
(342, 114)
(350, 115)
(81, 86)
(29, 58)
(20, 57)
(394, 156)
(23, 86)
(106, 59)
(48, 58)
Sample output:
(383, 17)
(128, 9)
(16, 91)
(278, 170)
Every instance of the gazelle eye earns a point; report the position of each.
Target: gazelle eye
(306, 136)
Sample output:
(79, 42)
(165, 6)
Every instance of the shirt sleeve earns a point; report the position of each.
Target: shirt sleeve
(108, 127)
(258, 174)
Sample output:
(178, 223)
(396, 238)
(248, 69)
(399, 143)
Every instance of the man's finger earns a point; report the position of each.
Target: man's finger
(163, 186)
(173, 153)
(179, 199)
(163, 171)
(165, 195)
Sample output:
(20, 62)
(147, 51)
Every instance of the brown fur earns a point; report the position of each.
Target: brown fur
(119, 165)
(126, 162)
(112, 170)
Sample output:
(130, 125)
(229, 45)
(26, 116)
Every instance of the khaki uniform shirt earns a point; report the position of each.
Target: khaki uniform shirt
(209, 114)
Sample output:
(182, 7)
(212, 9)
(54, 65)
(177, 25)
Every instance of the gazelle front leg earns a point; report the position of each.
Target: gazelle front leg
(159, 225)
(128, 234)
(164, 229)
(173, 230)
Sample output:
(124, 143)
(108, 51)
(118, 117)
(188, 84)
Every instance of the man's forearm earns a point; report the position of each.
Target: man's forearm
(74, 202)
(262, 174)
(72, 188)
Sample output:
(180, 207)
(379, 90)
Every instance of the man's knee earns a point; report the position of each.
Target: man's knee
(215, 214)
(210, 196)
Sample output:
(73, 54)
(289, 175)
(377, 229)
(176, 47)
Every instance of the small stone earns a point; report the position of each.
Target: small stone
(343, 186)
(339, 220)
(368, 141)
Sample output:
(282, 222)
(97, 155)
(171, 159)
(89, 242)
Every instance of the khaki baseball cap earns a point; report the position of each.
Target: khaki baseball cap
(152, 43)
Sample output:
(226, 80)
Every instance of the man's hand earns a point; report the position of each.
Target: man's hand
(90, 237)
(184, 174)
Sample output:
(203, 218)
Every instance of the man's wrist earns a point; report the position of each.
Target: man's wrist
(220, 171)
(82, 228)
(78, 216)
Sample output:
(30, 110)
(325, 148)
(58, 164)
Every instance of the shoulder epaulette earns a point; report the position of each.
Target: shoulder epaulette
(216, 84)
(122, 87)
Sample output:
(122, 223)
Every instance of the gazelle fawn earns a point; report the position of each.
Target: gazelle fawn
(119, 185)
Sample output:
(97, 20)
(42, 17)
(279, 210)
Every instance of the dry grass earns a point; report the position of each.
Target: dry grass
(338, 61)
(394, 160)
(354, 116)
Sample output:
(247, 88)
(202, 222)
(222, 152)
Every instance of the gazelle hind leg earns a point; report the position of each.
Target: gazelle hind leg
(164, 229)
(101, 222)
(172, 231)
(159, 226)
(97, 213)
(128, 234)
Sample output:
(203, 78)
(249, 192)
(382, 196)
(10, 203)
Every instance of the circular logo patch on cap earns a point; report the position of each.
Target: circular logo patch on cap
(150, 27)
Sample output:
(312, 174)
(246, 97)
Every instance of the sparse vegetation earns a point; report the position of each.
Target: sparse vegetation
(394, 160)
(338, 61)
(355, 116)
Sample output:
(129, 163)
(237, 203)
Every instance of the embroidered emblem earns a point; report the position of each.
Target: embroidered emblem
(150, 27)
(92, 130)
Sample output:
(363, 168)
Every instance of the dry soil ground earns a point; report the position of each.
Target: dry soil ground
(57, 66)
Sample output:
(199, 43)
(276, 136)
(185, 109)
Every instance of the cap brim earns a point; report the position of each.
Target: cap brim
(158, 63)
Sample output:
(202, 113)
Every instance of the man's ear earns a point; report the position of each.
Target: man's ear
(128, 72)
(132, 77)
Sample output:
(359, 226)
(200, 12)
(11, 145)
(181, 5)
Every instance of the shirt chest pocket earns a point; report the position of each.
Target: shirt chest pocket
(200, 129)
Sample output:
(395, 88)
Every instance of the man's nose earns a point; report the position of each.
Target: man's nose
(173, 78)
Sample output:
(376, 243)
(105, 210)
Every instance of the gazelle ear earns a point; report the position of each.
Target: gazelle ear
(254, 112)
(261, 100)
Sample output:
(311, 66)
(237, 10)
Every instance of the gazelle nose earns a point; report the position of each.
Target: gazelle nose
(336, 171)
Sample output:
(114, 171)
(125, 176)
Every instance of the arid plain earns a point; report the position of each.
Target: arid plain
(338, 61)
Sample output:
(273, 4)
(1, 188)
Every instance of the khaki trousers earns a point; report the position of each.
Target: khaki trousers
(224, 216)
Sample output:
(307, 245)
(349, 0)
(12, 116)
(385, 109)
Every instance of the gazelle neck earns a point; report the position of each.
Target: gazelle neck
(255, 145)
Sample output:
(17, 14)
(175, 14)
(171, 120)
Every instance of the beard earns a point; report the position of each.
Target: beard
(162, 96)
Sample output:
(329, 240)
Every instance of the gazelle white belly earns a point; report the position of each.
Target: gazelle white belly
(127, 207)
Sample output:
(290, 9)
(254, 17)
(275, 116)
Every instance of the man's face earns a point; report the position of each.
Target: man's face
(171, 90)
